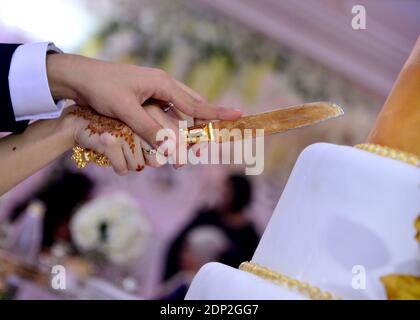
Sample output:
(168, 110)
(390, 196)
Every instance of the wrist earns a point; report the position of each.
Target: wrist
(62, 73)
(69, 126)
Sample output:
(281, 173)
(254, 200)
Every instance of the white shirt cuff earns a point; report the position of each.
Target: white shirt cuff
(29, 90)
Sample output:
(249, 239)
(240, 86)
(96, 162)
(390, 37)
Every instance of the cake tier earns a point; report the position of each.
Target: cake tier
(345, 218)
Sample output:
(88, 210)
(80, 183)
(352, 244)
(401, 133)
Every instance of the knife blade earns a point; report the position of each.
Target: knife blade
(276, 121)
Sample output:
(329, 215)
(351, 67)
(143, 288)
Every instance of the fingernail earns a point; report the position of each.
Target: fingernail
(196, 149)
(165, 147)
(139, 168)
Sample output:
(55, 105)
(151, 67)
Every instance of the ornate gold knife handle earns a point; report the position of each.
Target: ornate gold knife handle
(194, 134)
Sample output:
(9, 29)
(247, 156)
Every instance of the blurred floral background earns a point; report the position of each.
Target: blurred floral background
(235, 62)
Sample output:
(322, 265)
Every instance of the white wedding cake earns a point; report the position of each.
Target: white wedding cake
(343, 212)
(345, 219)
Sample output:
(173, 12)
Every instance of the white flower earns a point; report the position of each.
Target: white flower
(113, 226)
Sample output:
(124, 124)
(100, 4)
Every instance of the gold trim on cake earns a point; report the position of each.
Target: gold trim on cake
(417, 227)
(392, 153)
(304, 288)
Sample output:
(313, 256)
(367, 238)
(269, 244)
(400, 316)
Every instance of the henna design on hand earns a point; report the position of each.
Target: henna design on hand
(99, 124)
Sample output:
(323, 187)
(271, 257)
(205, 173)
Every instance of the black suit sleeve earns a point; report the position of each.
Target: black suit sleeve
(7, 116)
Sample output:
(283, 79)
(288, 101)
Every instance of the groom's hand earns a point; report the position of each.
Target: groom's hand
(119, 91)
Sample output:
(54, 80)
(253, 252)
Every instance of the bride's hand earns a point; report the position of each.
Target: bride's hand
(125, 150)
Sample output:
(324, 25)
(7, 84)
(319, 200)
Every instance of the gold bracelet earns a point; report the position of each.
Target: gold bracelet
(304, 288)
(388, 152)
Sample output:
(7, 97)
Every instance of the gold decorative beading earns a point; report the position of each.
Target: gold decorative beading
(388, 152)
(304, 288)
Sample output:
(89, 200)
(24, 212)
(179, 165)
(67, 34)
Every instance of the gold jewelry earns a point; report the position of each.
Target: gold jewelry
(304, 288)
(83, 156)
(395, 154)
